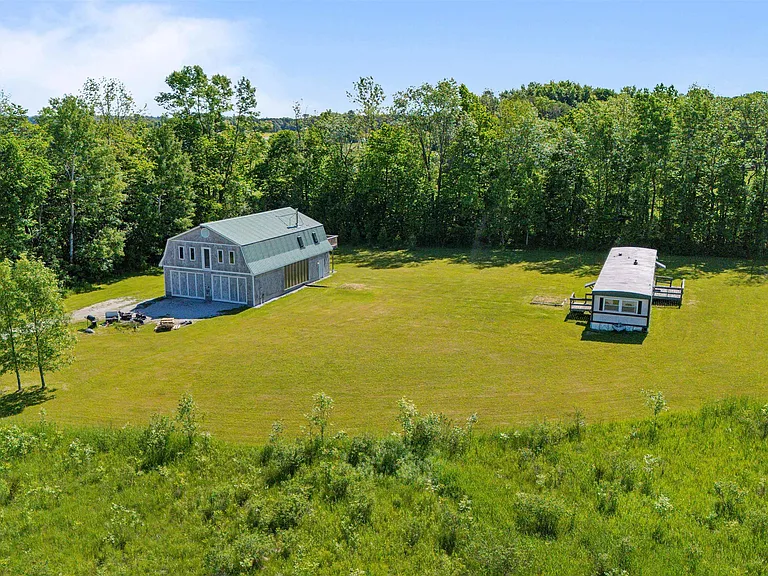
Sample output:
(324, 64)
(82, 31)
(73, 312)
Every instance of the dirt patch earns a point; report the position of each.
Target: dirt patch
(98, 310)
(351, 286)
(549, 301)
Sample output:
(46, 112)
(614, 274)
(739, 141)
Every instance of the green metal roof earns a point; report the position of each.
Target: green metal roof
(244, 230)
(269, 240)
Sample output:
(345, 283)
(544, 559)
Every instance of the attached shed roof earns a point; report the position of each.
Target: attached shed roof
(628, 271)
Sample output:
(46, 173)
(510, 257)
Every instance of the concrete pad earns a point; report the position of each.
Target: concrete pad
(183, 308)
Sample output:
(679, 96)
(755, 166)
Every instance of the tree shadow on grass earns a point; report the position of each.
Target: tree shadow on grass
(578, 263)
(387, 259)
(545, 262)
(14, 403)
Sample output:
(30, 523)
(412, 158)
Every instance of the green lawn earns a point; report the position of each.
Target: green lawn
(455, 332)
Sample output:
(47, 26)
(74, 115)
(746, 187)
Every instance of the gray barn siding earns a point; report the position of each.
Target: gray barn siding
(269, 285)
(259, 288)
(171, 257)
(324, 261)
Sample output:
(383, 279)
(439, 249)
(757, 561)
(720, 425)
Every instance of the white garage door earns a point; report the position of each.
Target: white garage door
(229, 289)
(187, 284)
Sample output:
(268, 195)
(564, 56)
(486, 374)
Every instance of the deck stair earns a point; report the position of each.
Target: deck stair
(581, 305)
(664, 292)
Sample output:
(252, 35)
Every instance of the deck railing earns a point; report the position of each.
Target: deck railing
(580, 304)
(666, 293)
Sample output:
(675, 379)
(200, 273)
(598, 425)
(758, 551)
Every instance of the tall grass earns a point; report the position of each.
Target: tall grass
(680, 493)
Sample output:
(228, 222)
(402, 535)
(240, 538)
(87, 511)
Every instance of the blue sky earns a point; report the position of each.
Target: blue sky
(313, 51)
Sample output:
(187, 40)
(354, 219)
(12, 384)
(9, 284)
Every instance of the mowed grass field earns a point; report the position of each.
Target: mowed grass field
(453, 331)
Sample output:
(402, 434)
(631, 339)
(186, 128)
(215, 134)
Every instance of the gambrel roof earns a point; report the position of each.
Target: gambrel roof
(269, 240)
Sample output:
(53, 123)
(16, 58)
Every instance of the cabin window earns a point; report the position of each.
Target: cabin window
(191, 253)
(231, 256)
(314, 238)
(181, 252)
(629, 306)
(300, 240)
(220, 256)
(611, 305)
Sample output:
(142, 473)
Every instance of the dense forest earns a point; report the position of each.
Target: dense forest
(92, 186)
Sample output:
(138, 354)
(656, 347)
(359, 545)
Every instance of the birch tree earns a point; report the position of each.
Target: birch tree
(46, 336)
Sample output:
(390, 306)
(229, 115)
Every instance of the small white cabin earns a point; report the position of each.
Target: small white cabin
(623, 293)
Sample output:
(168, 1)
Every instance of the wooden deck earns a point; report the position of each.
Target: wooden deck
(582, 305)
(664, 292)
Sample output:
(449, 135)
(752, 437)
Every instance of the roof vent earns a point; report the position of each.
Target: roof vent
(635, 263)
(620, 254)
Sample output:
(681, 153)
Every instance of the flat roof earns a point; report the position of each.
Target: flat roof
(628, 271)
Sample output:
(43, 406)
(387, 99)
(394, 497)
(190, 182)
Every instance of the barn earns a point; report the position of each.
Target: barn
(249, 259)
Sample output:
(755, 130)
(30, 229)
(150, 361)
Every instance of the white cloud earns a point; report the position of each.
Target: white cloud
(139, 44)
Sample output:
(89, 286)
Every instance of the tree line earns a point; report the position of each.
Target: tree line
(92, 186)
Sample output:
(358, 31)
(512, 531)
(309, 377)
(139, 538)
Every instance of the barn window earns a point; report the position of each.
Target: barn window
(191, 253)
(629, 306)
(300, 241)
(314, 238)
(181, 252)
(220, 256)
(231, 256)
(611, 305)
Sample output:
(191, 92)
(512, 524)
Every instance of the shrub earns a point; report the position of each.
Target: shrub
(607, 499)
(78, 454)
(155, 442)
(285, 512)
(218, 501)
(730, 498)
(448, 532)
(286, 461)
(656, 403)
(541, 516)
(121, 526)
(361, 449)
(43, 497)
(320, 416)
(247, 554)
(360, 508)
(389, 454)
(15, 442)
(577, 427)
(188, 418)
(420, 433)
(495, 555)
(333, 480)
